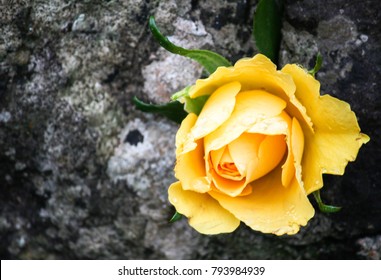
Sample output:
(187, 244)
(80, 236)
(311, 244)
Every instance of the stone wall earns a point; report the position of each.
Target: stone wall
(83, 175)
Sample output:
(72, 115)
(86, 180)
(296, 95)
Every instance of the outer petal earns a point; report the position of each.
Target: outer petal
(216, 110)
(295, 143)
(183, 133)
(190, 170)
(192, 178)
(297, 148)
(337, 137)
(255, 73)
(204, 213)
(270, 208)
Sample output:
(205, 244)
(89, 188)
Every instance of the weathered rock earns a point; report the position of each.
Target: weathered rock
(84, 175)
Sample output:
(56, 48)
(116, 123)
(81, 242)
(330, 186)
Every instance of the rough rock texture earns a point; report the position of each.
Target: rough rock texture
(83, 175)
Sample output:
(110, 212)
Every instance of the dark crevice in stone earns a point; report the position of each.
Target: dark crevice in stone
(134, 137)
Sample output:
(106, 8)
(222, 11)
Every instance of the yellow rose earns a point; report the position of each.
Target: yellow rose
(259, 147)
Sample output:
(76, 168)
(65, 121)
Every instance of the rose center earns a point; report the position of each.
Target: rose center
(244, 160)
(224, 164)
(229, 169)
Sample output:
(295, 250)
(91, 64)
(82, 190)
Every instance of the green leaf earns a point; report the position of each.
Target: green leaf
(173, 110)
(177, 216)
(318, 63)
(323, 207)
(267, 27)
(208, 59)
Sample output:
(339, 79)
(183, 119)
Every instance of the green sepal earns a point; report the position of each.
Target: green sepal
(208, 59)
(179, 96)
(318, 63)
(191, 105)
(173, 110)
(195, 105)
(177, 216)
(323, 207)
(267, 25)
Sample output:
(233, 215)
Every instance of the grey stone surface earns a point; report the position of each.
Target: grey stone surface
(83, 175)
(370, 247)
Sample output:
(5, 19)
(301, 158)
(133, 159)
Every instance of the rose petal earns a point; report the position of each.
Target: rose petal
(247, 190)
(216, 110)
(270, 208)
(204, 213)
(183, 133)
(244, 149)
(255, 154)
(272, 125)
(297, 140)
(256, 73)
(229, 187)
(190, 170)
(224, 165)
(215, 157)
(277, 125)
(192, 178)
(253, 73)
(232, 186)
(251, 107)
(337, 137)
(270, 153)
(297, 148)
(288, 168)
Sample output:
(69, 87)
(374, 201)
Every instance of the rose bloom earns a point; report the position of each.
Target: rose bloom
(259, 147)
